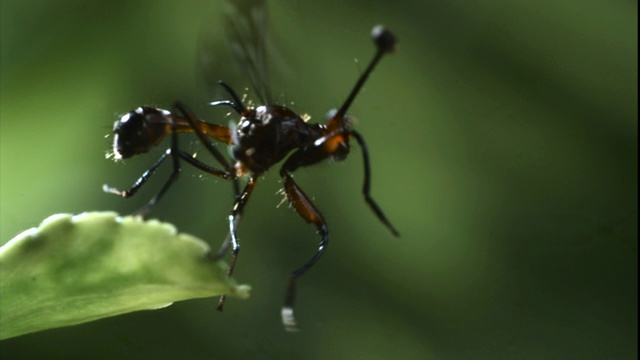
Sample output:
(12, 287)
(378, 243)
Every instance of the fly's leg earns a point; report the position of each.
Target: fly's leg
(234, 219)
(305, 208)
(367, 185)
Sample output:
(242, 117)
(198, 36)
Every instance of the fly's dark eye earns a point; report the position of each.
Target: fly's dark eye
(384, 39)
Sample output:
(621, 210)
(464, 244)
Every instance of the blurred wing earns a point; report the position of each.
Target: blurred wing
(245, 23)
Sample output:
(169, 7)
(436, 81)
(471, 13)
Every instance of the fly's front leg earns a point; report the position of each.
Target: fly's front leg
(305, 208)
(366, 188)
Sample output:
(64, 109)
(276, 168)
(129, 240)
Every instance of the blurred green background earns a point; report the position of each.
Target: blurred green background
(503, 139)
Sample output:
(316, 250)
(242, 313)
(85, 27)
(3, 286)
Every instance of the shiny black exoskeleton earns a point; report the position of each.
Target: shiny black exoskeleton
(264, 136)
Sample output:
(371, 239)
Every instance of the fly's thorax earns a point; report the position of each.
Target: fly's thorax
(266, 135)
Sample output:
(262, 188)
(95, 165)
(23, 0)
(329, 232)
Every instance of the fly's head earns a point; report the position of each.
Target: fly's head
(338, 133)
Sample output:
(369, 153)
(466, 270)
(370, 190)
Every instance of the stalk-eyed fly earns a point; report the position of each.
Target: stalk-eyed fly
(264, 136)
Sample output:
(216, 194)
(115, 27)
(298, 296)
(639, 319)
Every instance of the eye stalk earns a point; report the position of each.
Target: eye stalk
(385, 42)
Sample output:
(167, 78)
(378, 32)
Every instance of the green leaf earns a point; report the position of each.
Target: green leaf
(78, 268)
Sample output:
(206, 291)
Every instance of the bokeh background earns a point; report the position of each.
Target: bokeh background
(504, 147)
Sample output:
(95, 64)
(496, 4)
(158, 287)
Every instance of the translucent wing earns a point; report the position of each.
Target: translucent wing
(245, 23)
